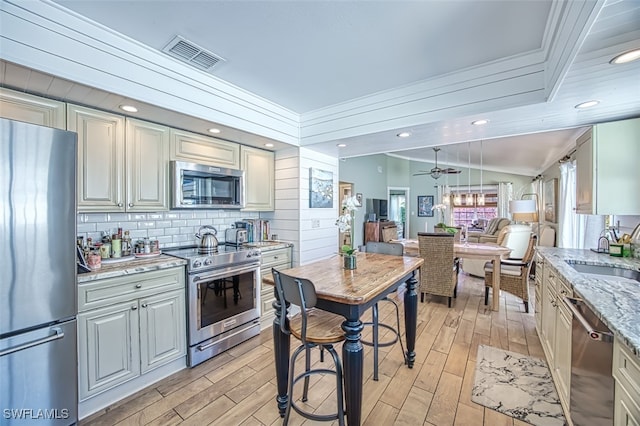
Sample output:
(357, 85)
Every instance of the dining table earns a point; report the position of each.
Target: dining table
(350, 293)
(485, 251)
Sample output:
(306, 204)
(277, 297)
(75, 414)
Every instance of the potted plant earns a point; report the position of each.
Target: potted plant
(441, 226)
(344, 222)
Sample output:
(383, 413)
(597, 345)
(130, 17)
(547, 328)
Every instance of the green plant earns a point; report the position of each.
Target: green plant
(449, 229)
(348, 250)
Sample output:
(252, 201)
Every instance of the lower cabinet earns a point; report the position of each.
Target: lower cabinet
(137, 326)
(626, 373)
(279, 258)
(554, 320)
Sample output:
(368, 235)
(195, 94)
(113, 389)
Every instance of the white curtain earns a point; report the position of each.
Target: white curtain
(576, 230)
(505, 194)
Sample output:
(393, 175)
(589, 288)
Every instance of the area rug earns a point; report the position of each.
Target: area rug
(517, 385)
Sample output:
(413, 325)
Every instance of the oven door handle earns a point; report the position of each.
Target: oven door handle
(226, 272)
(591, 332)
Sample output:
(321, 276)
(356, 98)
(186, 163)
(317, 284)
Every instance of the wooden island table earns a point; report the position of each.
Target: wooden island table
(350, 293)
(484, 251)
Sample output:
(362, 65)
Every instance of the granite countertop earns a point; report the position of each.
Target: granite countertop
(268, 245)
(131, 267)
(614, 300)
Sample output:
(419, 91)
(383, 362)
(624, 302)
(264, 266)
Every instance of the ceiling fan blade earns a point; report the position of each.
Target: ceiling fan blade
(451, 171)
(420, 174)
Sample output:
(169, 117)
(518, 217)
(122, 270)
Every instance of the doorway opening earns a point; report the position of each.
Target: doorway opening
(345, 190)
(398, 205)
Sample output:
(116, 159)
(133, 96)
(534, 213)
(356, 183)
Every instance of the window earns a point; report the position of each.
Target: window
(469, 215)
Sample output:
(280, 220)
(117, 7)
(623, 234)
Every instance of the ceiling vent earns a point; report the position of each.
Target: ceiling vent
(192, 54)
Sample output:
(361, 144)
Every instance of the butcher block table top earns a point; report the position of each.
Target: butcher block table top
(372, 276)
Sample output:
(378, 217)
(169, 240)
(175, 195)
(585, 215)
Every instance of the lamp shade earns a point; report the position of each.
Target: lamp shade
(523, 210)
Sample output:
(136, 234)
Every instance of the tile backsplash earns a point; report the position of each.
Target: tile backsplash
(173, 228)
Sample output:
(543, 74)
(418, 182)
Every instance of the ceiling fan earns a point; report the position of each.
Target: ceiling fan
(436, 172)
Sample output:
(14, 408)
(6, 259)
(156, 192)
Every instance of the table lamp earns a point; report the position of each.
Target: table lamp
(525, 211)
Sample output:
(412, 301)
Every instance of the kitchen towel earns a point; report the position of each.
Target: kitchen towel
(517, 385)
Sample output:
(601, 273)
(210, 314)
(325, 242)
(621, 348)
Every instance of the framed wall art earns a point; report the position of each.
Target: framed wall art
(550, 200)
(320, 189)
(425, 203)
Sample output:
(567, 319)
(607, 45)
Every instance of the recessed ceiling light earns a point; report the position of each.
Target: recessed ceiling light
(341, 145)
(214, 130)
(128, 108)
(625, 57)
(268, 145)
(587, 104)
(403, 134)
(479, 122)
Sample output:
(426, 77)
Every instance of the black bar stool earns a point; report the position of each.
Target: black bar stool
(313, 327)
(394, 249)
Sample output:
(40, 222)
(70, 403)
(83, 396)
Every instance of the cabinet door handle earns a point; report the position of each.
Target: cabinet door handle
(130, 204)
(119, 204)
(138, 285)
(134, 307)
(144, 305)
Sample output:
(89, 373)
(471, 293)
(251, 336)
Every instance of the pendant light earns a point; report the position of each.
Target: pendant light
(446, 192)
(457, 199)
(480, 196)
(469, 198)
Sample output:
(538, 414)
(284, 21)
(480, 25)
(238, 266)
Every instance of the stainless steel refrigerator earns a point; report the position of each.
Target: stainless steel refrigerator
(38, 356)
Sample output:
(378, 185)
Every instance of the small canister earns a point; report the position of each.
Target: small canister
(155, 246)
(94, 261)
(116, 250)
(105, 250)
(147, 246)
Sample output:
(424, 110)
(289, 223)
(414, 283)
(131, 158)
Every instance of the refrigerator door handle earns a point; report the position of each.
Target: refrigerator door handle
(591, 332)
(58, 334)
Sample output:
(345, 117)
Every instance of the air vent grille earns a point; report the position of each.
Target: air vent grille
(192, 54)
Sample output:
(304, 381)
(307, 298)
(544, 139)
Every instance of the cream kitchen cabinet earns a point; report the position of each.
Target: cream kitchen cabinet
(195, 148)
(606, 169)
(122, 164)
(539, 273)
(279, 258)
(32, 109)
(127, 327)
(259, 168)
(555, 331)
(626, 373)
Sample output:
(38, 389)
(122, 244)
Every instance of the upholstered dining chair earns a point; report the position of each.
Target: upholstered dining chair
(439, 273)
(514, 275)
(313, 327)
(394, 249)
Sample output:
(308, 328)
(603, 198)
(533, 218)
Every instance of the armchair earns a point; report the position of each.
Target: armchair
(490, 233)
(516, 237)
(514, 275)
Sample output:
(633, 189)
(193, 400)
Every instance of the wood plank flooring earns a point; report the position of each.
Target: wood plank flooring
(238, 387)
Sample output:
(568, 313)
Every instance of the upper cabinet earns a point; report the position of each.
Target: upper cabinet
(607, 172)
(32, 109)
(259, 168)
(147, 160)
(194, 148)
(122, 165)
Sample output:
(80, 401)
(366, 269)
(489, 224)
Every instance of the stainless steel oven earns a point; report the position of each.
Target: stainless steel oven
(223, 293)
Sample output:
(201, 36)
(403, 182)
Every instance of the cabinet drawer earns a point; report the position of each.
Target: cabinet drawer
(276, 257)
(187, 146)
(626, 412)
(626, 369)
(100, 293)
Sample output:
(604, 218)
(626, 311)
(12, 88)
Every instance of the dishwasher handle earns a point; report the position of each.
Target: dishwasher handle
(603, 336)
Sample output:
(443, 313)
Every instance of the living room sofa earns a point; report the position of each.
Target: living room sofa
(490, 233)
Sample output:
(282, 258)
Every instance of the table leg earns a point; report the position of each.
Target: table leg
(281, 348)
(352, 361)
(411, 318)
(496, 283)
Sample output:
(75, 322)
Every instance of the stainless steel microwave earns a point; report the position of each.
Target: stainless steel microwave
(199, 186)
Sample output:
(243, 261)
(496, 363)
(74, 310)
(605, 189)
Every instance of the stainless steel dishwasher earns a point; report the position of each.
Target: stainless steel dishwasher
(592, 387)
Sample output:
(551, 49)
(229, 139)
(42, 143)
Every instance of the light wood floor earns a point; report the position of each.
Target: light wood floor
(238, 387)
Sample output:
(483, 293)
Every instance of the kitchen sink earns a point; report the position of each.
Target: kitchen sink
(606, 270)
